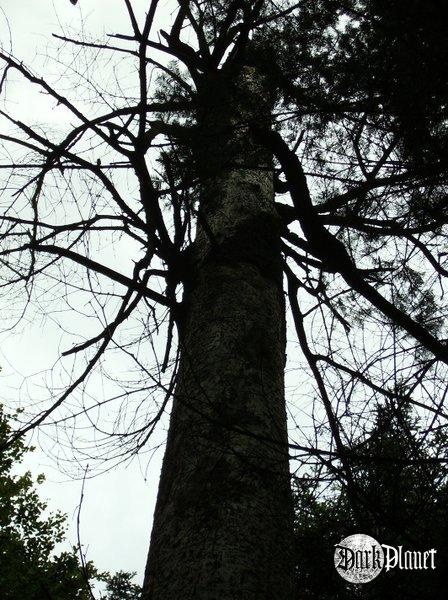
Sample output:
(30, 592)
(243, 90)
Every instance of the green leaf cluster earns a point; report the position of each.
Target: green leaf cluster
(30, 566)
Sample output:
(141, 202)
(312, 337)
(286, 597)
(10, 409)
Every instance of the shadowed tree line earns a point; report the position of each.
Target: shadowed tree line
(405, 504)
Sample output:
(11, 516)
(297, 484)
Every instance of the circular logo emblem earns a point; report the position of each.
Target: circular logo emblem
(358, 558)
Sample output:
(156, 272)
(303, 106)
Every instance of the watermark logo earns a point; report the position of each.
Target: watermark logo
(359, 558)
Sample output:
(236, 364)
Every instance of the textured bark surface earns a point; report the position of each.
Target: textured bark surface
(223, 521)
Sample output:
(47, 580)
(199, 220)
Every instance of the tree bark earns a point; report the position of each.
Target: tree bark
(223, 520)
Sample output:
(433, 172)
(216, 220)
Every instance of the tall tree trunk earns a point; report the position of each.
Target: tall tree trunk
(223, 521)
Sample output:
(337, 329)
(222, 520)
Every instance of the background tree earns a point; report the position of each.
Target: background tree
(210, 118)
(405, 487)
(120, 586)
(30, 567)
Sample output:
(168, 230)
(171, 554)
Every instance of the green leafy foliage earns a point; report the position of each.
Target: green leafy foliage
(30, 567)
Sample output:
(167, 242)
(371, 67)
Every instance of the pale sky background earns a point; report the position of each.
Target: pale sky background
(118, 506)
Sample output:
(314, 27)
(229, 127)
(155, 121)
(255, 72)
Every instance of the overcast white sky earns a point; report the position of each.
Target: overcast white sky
(118, 506)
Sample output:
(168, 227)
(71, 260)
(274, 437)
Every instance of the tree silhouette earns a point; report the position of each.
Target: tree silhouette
(154, 210)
